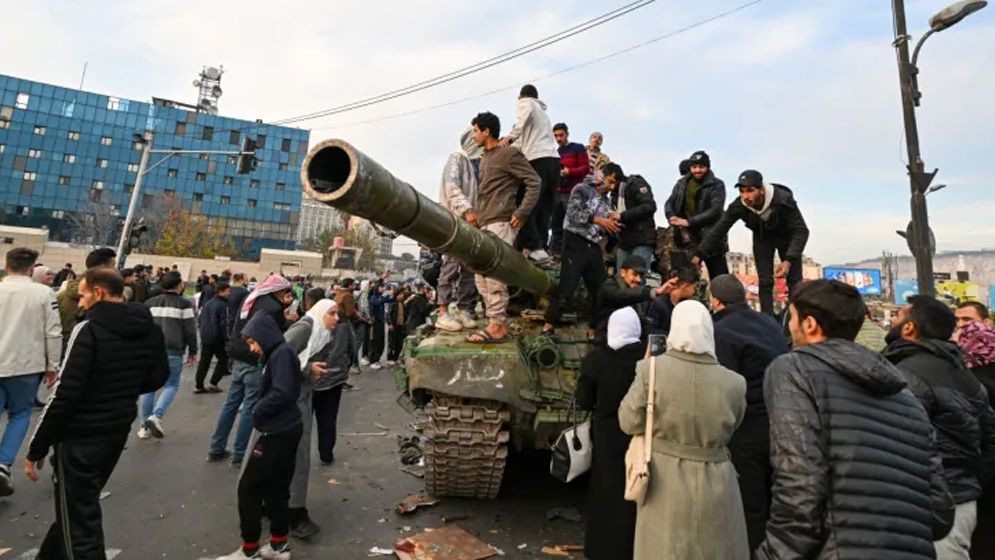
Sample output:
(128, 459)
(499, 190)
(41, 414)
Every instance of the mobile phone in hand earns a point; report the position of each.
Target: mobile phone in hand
(658, 344)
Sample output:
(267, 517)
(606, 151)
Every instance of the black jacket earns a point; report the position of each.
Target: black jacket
(708, 203)
(786, 224)
(747, 342)
(856, 471)
(417, 310)
(264, 305)
(637, 220)
(112, 357)
(614, 295)
(276, 410)
(958, 406)
(236, 297)
(213, 321)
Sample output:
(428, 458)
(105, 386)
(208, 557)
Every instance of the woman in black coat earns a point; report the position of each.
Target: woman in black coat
(605, 377)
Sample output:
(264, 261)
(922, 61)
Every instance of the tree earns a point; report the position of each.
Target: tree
(177, 231)
(94, 225)
(322, 243)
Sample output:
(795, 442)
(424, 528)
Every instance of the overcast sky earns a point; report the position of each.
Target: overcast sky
(806, 92)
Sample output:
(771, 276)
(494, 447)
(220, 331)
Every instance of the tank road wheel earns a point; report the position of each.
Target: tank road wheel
(467, 448)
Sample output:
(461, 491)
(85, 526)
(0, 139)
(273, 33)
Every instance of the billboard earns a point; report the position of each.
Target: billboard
(905, 288)
(954, 292)
(866, 280)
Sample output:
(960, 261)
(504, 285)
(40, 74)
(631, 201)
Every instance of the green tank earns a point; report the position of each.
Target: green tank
(481, 400)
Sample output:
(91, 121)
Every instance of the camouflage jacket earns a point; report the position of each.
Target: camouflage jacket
(584, 205)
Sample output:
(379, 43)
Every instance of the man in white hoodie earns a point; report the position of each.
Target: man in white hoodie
(458, 194)
(533, 135)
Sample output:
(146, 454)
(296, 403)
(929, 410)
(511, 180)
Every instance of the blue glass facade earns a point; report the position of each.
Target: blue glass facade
(64, 150)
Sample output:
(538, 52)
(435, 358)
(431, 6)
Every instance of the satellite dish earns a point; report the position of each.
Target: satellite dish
(216, 91)
(196, 83)
(213, 73)
(206, 103)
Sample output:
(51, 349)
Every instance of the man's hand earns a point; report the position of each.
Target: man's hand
(615, 216)
(564, 172)
(191, 359)
(504, 142)
(782, 270)
(471, 218)
(50, 378)
(667, 287)
(291, 315)
(679, 222)
(31, 469)
(610, 225)
(696, 262)
(515, 222)
(318, 369)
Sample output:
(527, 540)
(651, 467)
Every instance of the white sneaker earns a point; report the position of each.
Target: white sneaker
(449, 322)
(466, 319)
(539, 255)
(143, 432)
(241, 555)
(267, 553)
(391, 362)
(375, 365)
(154, 426)
(364, 362)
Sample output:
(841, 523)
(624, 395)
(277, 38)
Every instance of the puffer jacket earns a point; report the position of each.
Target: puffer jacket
(958, 406)
(637, 218)
(709, 202)
(856, 471)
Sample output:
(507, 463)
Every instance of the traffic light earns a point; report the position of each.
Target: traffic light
(247, 160)
(137, 229)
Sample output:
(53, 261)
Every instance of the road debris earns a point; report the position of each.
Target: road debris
(446, 543)
(554, 551)
(414, 470)
(413, 502)
(410, 448)
(566, 514)
(363, 434)
(104, 494)
(377, 551)
(333, 482)
(380, 426)
(453, 518)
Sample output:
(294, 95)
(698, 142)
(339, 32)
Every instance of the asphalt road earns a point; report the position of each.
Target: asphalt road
(165, 501)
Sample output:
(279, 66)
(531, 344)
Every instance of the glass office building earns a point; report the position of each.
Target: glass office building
(65, 151)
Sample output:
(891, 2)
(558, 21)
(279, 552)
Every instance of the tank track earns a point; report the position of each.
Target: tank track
(467, 448)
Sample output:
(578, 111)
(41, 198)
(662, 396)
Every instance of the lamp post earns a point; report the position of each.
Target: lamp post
(920, 180)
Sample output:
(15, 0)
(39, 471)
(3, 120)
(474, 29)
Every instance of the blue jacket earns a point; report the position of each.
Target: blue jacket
(213, 321)
(376, 304)
(276, 410)
(747, 341)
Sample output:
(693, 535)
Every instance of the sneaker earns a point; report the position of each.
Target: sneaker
(364, 362)
(539, 255)
(6, 486)
(391, 363)
(236, 461)
(241, 555)
(218, 457)
(449, 323)
(154, 426)
(375, 365)
(465, 319)
(267, 552)
(304, 528)
(143, 432)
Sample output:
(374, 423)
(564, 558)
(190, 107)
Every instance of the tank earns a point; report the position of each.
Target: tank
(481, 401)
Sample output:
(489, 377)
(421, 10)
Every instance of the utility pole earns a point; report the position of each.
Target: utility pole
(146, 151)
(918, 178)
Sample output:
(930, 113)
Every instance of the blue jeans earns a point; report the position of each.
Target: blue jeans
(168, 391)
(242, 394)
(644, 251)
(17, 396)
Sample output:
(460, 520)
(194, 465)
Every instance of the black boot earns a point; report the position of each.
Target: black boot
(301, 526)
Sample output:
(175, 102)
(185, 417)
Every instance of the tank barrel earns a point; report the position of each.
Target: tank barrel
(337, 174)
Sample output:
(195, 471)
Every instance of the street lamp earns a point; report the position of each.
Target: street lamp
(919, 232)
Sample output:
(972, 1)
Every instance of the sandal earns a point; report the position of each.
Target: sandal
(484, 337)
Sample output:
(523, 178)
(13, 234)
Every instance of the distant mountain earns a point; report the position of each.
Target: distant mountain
(979, 264)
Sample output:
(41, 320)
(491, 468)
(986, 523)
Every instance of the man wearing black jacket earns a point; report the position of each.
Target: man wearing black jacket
(695, 206)
(213, 326)
(633, 204)
(624, 290)
(770, 211)
(957, 404)
(113, 355)
(747, 342)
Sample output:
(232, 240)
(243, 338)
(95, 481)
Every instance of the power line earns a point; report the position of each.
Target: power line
(630, 48)
(473, 68)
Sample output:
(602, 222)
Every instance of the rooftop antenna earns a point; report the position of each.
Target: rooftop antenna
(208, 84)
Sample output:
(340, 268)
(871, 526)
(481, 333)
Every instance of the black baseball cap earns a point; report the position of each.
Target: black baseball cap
(633, 262)
(750, 178)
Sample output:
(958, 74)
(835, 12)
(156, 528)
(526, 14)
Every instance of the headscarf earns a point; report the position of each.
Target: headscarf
(39, 273)
(624, 328)
(320, 336)
(977, 341)
(691, 329)
(272, 284)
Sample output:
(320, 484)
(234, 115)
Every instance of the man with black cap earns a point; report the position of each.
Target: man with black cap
(694, 207)
(770, 211)
(624, 290)
(747, 342)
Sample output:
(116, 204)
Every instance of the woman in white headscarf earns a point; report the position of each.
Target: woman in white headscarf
(605, 376)
(693, 507)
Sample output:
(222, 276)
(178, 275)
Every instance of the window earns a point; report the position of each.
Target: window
(73, 135)
(96, 195)
(172, 172)
(234, 137)
(148, 200)
(203, 156)
(30, 176)
(283, 166)
(20, 162)
(33, 153)
(106, 141)
(169, 192)
(133, 167)
(212, 167)
(181, 129)
(281, 206)
(69, 158)
(98, 185)
(102, 163)
(285, 147)
(128, 188)
(208, 133)
(27, 187)
(58, 214)
(254, 183)
(3, 148)
(201, 176)
(23, 210)
(232, 160)
(40, 130)
(7, 240)
(114, 104)
(6, 112)
(225, 200)
(63, 179)
(22, 101)
(137, 145)
(251, 203)
(198, 197)
(261, 141)
(116, 208)
(229, 180)
(281, 186)
(4, 124)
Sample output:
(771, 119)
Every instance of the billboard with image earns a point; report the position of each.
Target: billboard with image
(866, 280)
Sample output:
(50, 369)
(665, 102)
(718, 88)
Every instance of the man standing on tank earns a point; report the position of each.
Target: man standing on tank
(696, 204)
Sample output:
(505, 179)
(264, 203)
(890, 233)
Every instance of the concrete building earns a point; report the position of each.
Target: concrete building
(317, 218)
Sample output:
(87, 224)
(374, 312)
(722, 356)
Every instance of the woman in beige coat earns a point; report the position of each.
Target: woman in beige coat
(693, 509)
